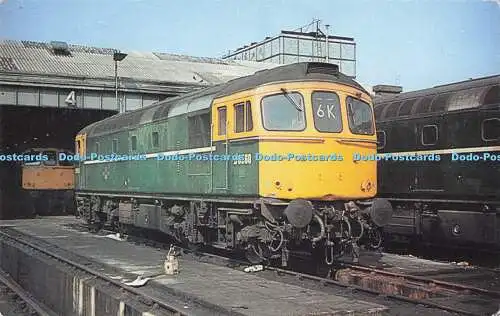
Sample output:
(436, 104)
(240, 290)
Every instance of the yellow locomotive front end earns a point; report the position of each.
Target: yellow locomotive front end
(319, 143)
(49, 181)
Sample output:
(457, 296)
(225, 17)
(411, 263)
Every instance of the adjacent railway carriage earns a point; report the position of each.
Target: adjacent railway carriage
(49, 182)
(449, 193)
(262, 163)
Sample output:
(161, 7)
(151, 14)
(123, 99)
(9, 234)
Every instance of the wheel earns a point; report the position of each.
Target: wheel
(375, 238)
(257, 253)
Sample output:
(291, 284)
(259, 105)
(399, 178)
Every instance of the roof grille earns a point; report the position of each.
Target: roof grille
(31, 44)
(60, 48)
(323, 68)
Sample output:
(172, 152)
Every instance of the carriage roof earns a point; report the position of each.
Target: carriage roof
(459, 96)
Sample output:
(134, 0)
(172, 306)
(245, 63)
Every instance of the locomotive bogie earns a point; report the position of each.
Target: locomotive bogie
(430, 222)
(265, 229)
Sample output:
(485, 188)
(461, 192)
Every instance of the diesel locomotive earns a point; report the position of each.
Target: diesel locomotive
(261, 164)
(439, 152)
(48, 183)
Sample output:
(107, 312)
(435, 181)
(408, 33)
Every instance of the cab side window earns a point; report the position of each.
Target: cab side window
(243, 117)
(490, 129)
(222, 117)
(429, 135)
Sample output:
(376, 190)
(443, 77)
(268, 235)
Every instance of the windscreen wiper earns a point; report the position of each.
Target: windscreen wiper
(287, 95)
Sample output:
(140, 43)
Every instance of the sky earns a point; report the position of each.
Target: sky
(416, 44)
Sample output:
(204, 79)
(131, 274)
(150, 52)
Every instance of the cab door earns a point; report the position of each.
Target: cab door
(80, 150)
(220, 140)
(430, 137)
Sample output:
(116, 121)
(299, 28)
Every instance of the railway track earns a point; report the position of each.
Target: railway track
(453, 297)
(484, 257)
(454, 288)
(432, 294)
(158, 304)
(24, 302)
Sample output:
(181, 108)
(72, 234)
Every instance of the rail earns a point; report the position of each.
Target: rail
(155, 301)
(36, 306)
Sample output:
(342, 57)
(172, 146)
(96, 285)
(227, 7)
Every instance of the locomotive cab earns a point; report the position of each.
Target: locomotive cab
(313, 140)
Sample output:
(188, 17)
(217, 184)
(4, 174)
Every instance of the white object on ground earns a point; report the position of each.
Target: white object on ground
(255, 268)
(138, 282)
(115, 237)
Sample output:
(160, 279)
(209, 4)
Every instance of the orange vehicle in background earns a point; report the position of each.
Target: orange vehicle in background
(49, 182)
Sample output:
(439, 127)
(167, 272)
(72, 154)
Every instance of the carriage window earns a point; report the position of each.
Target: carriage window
(156, 139)
(381, 139)
(490, 129)
(243, 117)
(133, 141)
(429, 135)
(283, 112)
(114, 146)
(360, 117)
(51, 158)
(326, 112)
(66, 161)
(78, 147)
(222, 121)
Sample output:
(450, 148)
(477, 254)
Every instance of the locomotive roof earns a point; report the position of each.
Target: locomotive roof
(202, 99)
(445, 98)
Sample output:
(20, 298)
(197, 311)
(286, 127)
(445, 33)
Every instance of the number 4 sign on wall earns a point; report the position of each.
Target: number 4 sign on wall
(71, 99)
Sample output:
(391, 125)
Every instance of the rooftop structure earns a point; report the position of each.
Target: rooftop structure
(307, 43)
